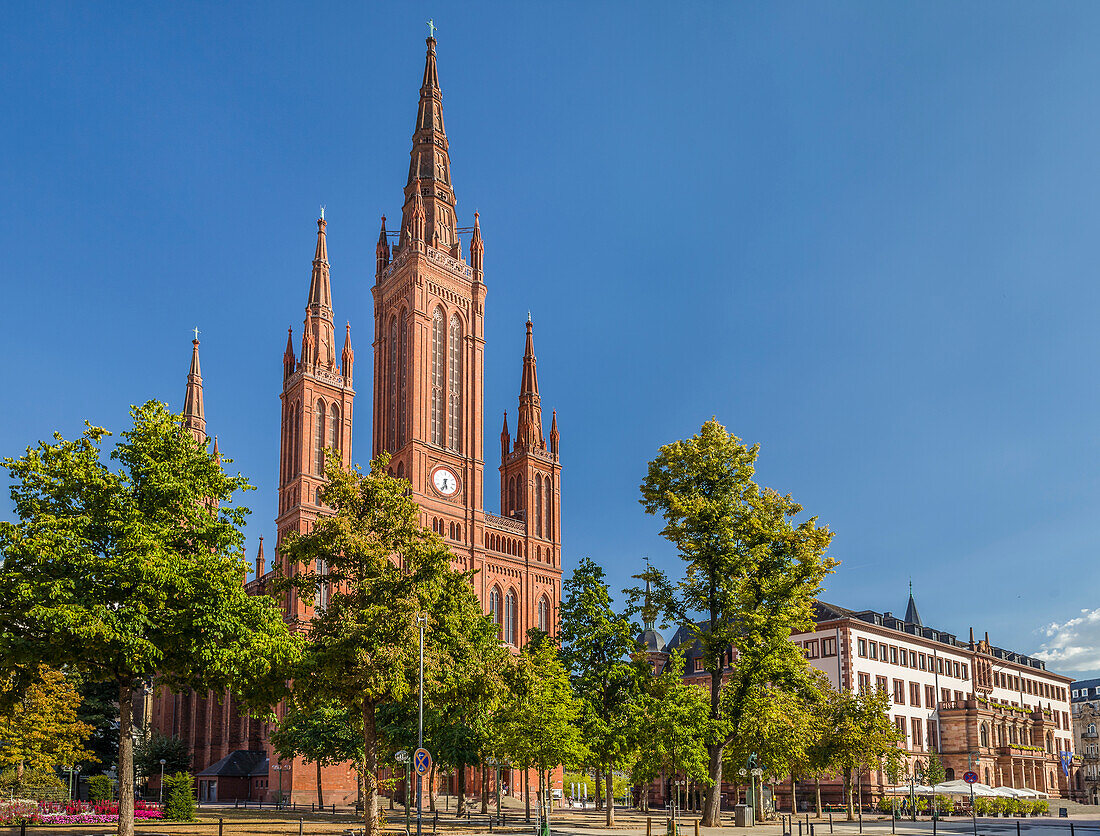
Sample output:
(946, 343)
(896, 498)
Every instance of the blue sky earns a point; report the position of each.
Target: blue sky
(861, 234)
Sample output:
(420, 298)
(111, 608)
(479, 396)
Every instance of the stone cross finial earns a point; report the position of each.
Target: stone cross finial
(196, 330)
(431, 28)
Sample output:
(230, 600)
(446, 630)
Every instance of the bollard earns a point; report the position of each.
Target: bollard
(435, 822)
(648, 826)
(334, 810)
(697, 827)
(1018, 827)
(1070, 827)
(301, 823)
(830, 821)
(220, 823)
(312, 804)
(811, 830)
(490, 824)
(800, 827)
(23, 829)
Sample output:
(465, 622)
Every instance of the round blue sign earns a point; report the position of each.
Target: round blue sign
(971, 777)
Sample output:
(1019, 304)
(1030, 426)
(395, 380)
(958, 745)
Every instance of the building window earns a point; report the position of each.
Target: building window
(811, 649)
(334, 429)
(899, 692)
(439, 340)
(874, 650)
(544, 615)
(900, 723)
(538, 504)
(319, 438)
(861, 647)
(945, 695)
(955, 666)
(929, 696)
(495, 611)
(882, 652)
(402, 379)
(511, 618)
(918, 733)
(939, 665)
(548, 488)
(391, 417)
(320, 600)
(697, 664)
(983, 733)
(923, 661)
(511, 494)
(880, 683)
(454, 386)
(914, 693)
(864, 681)
(828, 647)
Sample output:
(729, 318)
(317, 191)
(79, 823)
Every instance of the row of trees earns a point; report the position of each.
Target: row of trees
(127, 565)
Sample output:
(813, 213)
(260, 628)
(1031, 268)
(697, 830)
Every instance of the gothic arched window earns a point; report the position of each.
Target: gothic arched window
(334, 428)
(548, 487)
(320, 600)
(538, 504)
(544, 614)
(319, 438)
(495, 609)
(454, 386)
(511, 494)
(402, 374)
(439, 346)
(391, 434)
(511, 621)
(985, 735)
(296, 440)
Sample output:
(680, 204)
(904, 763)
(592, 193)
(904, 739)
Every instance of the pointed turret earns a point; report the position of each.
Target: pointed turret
(554, 434)
(216, 453)
(382, 251)
(529, 428)
(317, 337)
(194, 415)
(430, 168)
(289, 362)
(911, 614)
(477, 250)
(261, 566)
(505, 438)
(347, 358)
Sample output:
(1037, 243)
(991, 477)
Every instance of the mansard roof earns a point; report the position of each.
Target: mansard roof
(243, 763)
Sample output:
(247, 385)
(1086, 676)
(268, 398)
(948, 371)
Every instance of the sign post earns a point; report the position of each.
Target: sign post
(971, 778)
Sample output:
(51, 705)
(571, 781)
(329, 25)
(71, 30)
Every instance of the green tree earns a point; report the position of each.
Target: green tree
(538, 726)
(133, 570)
(671, 728)
(856, 734)
(39, 725)
(179, 797)
(326, 734)
(597, 649)
(150, 751)
(751, 574)
(382, 571)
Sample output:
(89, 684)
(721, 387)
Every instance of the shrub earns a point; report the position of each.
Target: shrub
(100, 788)
(179, 797)
(885, 804)
(983, 806)
(37, 784)
(922, 803)
(1040, 807)
(944, 804)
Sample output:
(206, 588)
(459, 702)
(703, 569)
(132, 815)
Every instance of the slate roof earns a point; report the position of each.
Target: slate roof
(242, 763)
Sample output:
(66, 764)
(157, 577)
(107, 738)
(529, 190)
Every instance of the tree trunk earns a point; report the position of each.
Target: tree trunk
(817, 787)
(794, 799)
(848, 793)
(484, 790)
(125, 759)
(360, 789)
(610, 799)
(461, 789)
(320, 789)
(712, 813)
(599, 789)
(370, 771)
(431, 789)
(527, 794)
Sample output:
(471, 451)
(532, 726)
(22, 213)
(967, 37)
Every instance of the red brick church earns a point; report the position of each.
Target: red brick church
(428, 414)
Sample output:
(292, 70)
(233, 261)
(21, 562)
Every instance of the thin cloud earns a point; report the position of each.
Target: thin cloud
(1073, 645)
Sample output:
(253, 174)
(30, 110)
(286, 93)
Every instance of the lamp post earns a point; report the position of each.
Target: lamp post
(420, 726)
(160, 795)
(403, 757)
(757, 772)
(279, 769)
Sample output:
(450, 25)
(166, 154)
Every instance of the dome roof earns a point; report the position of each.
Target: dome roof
(652, 641)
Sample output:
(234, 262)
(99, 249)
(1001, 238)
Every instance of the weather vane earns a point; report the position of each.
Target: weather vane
(196, 330)
(431, 28)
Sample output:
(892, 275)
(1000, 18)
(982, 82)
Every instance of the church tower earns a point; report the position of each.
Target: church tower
(429, 340)
(429, 358)
(317, 402)
(194, 416)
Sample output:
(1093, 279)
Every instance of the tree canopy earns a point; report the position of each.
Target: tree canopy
(131, 568)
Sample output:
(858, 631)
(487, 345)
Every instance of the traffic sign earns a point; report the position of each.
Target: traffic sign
(970, 777)
(422, 762)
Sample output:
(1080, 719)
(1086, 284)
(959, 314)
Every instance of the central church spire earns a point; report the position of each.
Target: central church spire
(429, 211)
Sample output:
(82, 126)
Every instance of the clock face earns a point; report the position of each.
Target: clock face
(445, 481)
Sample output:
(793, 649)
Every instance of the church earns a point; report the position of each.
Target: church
(428, 415)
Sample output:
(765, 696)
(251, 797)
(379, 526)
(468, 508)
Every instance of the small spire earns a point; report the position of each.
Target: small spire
(477, 250)
(318, 347)
(505, 439)
(261, 567)
(554, 433)
(911, 614)
(382, 251)
(347, 358)
(289, 361)
(194, 414)
(216, 453)
(529, 427)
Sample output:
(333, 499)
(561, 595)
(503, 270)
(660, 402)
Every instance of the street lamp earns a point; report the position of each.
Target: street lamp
(160, 796)
(279, 769)
(757, 772)
(403, 757)
(420, 729)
